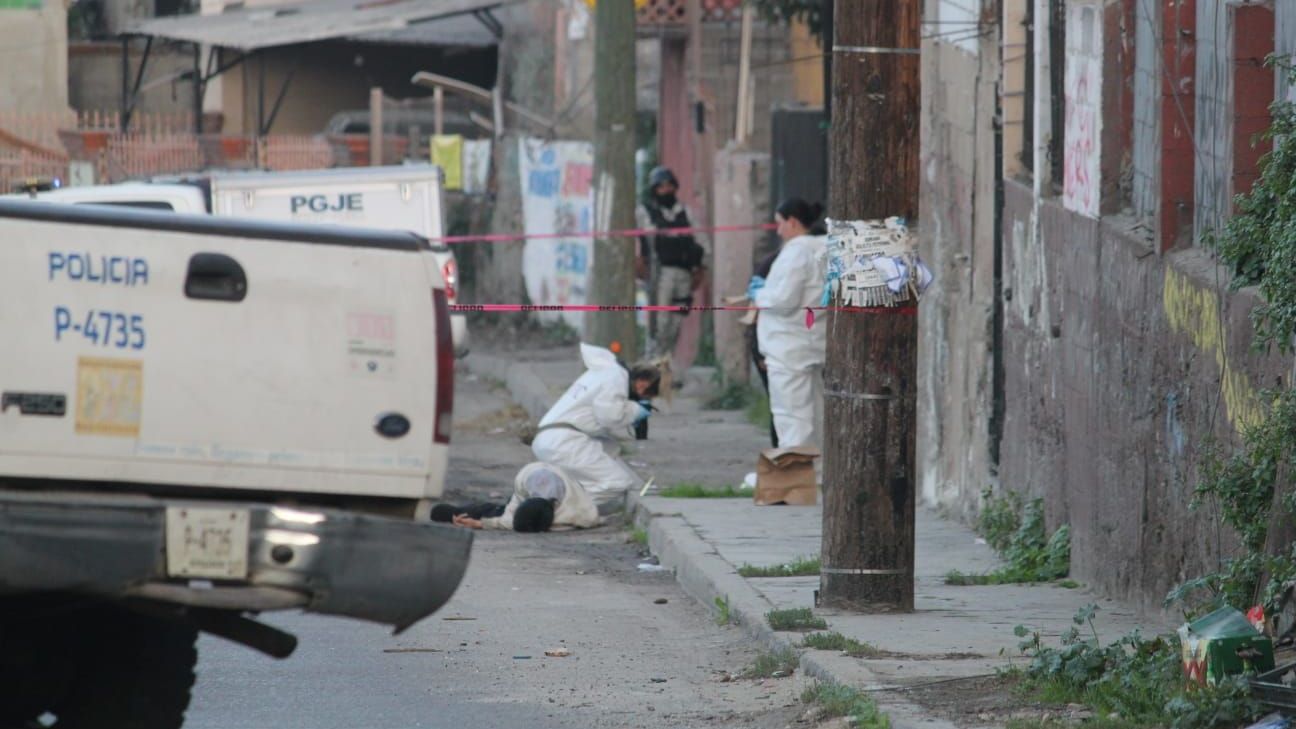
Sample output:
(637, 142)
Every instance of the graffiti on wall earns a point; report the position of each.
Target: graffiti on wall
(1194, 311)
(1082, 146)
(557, 197)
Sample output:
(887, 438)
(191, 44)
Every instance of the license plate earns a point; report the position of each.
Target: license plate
(205, 542)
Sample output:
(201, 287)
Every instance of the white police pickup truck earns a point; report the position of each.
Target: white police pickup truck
(201, 419)
(405, 197)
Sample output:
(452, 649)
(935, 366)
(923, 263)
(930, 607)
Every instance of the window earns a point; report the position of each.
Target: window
(1057, 89)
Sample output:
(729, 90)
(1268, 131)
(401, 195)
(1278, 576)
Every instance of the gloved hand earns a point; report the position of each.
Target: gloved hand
(757, 283)
(644, 412)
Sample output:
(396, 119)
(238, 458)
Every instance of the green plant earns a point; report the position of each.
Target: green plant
(773, 665)
(839, 642)
(1259, 244)
(999, 519)
(731, 396)
(723, 616)
(688, 490)
(1140, 680)
(1031, 553)
(706, 355)
(796, 619)
(800, 567)
(758, 410)
(639, 536)
(838, 700)
(558, 333)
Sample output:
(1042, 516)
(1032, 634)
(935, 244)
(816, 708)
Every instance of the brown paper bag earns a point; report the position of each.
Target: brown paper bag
(786, 476)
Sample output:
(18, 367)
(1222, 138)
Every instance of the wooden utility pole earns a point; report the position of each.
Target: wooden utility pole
(612, 280)
(870, 381)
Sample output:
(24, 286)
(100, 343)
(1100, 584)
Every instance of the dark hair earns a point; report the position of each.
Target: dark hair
(534, 515)
(444, 513)
(651, 373)
(801, 210)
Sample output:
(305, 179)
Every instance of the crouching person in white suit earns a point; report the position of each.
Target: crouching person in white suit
(579, 433)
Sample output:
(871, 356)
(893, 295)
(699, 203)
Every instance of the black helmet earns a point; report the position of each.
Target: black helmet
(660, 175)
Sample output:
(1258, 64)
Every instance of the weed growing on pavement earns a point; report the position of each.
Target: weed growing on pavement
(839, 642)
(796, 619)
(838, 700)
(1032, 555)
(800, 567)
(1000, 518)
(758, 411)
(731, 396)
(639, 536)
(1136, 679)
(777, 664)
(723, 617)
(689, 490)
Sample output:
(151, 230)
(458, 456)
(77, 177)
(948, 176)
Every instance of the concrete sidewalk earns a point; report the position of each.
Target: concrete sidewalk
(955, 632)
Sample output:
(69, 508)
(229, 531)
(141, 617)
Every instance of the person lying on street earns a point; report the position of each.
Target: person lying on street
(579, 432)
(544, 498)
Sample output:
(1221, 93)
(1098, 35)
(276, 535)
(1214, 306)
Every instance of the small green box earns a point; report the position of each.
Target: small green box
(1223, 643)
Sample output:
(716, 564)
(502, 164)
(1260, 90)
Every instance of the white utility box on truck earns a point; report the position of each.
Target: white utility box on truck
(202, 419)
(405, 197)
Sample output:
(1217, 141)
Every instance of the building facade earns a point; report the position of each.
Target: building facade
(1083, 343)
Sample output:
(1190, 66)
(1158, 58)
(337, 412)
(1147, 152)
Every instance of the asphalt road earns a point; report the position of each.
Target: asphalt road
(480, 662)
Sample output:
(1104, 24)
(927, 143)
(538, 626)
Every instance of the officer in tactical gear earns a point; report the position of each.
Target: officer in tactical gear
(670, 262)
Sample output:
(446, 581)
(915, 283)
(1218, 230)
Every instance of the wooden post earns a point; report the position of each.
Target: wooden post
(742, 121)
(438, 110)
(870, 381)
(375, 126)
(613, 279)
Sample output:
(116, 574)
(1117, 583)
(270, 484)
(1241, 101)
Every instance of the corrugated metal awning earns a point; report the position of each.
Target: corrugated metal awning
(249, 28)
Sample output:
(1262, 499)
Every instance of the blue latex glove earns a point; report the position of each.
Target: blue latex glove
(644, 412)
(757, 283)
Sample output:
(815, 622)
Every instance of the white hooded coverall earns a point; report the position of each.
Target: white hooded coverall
(586, 419)
(575, 509)
(794, 354)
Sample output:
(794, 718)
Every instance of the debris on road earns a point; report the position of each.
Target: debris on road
(558, 653)
(411, 650)
(660, 601)
(647, 567)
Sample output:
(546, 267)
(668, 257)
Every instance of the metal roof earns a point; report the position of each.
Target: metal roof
(248, 28)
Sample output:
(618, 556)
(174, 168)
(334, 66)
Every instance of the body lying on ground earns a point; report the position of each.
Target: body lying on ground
(544, 498)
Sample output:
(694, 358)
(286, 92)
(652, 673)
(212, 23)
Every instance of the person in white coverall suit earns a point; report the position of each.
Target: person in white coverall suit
(579, 429)
(794, 353)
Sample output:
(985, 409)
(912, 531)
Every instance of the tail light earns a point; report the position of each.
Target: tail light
(450, 272)
(444, 368)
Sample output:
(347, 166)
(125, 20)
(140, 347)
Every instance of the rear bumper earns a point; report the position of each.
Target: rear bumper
(373, 568)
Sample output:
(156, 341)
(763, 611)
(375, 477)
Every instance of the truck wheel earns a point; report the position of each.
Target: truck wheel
(135, 673)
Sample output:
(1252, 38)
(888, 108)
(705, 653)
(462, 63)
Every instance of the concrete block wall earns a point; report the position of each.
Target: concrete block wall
(957, 194)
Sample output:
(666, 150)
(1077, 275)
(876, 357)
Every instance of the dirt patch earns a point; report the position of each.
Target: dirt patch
(510, 420)
(984, 701)
(891, 656)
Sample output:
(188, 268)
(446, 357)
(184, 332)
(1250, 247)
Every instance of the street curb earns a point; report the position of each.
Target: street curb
(524, 385)
(707, 577)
